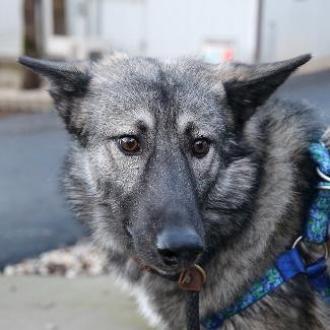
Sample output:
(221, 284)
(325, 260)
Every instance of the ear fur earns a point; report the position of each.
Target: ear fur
(249, 86)
(68, 78)
(68, 82)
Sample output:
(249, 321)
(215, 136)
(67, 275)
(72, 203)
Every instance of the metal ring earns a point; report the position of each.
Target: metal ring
(202, 272)
(322, 175)
(297, 241)
(325, 246)
(322, 187)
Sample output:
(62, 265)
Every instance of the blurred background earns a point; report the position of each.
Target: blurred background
(38, 235)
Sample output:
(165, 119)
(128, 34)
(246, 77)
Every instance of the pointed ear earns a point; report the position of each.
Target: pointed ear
(249, 86)
(66, 78)
(68, 81)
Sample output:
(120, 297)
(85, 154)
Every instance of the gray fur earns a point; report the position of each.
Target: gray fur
(246, 198)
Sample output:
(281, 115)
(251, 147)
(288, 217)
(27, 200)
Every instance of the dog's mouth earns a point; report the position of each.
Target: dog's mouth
(170, 252)
(191, 278)
(163, 270)
(167, 269)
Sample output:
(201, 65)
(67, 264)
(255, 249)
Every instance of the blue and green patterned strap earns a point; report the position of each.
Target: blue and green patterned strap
(288, 265)
(269, 282)
(317, 222)
(320, 279)
(320, 155)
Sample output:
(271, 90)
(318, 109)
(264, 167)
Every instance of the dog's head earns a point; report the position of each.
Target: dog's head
(159, 165)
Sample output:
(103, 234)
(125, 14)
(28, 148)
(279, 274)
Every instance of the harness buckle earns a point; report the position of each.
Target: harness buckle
(325, 246)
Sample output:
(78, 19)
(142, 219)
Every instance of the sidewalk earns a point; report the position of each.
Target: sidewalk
(56, 303)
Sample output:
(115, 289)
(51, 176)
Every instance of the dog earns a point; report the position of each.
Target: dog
(172, 160)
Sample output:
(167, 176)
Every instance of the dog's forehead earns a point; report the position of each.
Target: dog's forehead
(145, 90)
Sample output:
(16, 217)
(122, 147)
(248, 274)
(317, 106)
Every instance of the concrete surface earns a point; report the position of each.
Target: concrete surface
(35, 303)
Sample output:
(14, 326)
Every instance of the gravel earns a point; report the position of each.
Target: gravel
(82, 259)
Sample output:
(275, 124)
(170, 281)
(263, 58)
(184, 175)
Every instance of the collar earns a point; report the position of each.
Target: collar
(191, 279)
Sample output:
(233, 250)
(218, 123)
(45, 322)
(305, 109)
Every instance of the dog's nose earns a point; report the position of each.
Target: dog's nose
(179, 246)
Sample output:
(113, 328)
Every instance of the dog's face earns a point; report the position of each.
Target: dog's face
(160, 167)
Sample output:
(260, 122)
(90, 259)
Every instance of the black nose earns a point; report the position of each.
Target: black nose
(179, 246)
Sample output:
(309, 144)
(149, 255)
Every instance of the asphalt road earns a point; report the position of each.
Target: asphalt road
(33, 215)
(314, 88)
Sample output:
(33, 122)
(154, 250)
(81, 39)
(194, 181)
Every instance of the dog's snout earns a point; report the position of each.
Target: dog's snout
(179, 246)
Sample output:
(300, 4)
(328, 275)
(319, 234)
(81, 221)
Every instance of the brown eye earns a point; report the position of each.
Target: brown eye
(129, 144)
(200, 147)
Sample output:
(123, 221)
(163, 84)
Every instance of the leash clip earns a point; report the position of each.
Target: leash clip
(192, 279)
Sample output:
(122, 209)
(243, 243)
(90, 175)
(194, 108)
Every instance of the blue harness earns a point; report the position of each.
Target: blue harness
(291, 262)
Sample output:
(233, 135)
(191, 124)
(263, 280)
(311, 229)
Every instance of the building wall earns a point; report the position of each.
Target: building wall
(11, 28)
(181, 27)
(125, 24)
(293, 27)
(170, 28)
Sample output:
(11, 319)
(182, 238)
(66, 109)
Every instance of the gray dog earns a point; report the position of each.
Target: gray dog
(172, 161)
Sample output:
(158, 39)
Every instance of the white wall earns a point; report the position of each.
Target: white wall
(170, 28)
(293, 27)
(11, 28)
(124, 23)
(179, 27)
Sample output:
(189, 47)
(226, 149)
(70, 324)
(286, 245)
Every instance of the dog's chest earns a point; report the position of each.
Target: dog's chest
(147, 309)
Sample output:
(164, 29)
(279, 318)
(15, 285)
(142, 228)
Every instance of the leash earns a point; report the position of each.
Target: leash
(191, 281)
(287, 266)
(192, 311)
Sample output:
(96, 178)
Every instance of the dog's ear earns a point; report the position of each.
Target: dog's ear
(249, 86)
(68, 81)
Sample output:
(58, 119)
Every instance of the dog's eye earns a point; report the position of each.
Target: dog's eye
(200, 147)
(129, 144)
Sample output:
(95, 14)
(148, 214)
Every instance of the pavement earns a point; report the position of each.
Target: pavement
(33, 215)
(36, 303)
(312, 88)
